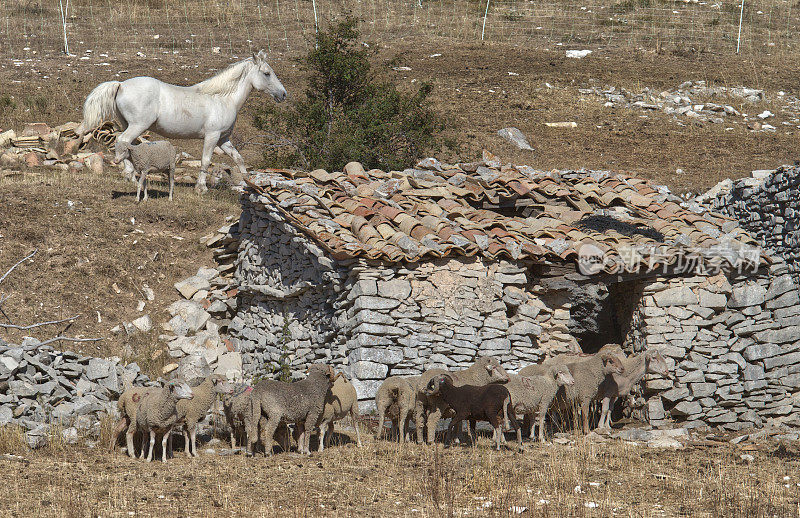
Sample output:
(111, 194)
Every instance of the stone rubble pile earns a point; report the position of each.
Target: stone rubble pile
(41, 386)
(765, 205)
(682, 102)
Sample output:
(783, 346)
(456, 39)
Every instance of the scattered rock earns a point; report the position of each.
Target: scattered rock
(516, 137)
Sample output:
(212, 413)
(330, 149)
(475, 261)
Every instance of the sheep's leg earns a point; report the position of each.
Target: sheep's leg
(355, 425)
(269, 434)
(308, 427)
(585, 416)
(164, 441)
(542, 413)
(419, 412)
(129, 440)
(323, 431)
(498, 432)
(121, 426)
(402, 425)
(231, 151)
(209, 143)
(251, 433)
(381, 432)
(139, 185)
(433, 419)
(152, 445)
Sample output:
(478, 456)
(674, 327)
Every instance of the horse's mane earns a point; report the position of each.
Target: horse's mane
(226, 81)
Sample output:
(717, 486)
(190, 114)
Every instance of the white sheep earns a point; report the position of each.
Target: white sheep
(148, 157)
(395, 398)
(619, 385)
(191, 412)
(535, 393)
(340, 401)
(158, 414)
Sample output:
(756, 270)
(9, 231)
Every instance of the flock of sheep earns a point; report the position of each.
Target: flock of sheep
(482, 392)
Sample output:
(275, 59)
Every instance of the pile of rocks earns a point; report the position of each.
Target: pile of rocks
(57, 148)
(679, 102)
(764, 205)
(40, 386)
(194, 332)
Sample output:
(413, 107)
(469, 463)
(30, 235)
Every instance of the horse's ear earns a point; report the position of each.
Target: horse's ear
(262, 54)
(256, 58)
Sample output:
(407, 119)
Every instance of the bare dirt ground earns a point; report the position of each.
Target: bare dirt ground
(388, 479)
(91, 236)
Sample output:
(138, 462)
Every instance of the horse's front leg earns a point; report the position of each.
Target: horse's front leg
(227, 147)
(130, 134)
(209, 143)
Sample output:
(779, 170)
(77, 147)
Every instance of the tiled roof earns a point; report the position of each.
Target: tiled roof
(494, 211)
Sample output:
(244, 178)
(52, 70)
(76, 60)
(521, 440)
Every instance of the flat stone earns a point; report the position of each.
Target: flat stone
(144, 324)
(505, 278)
(760, 351)
(778, 336)
(779, 286)
(187, 317)
(193, 367)
(680, 296)
(788, 299)
(702, 389)
(395, 289)
(192, 285)
(366, 389)
(368, 370)
(749, 294)
(712, 300)
(376, 354)
(374, 303)
(525, 328)
(779, 361)
(675, 394)
(516, 137)
(655, 409)
(98, 368)
(686, 408)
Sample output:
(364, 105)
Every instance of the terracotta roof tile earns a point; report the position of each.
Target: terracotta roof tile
(426, 213)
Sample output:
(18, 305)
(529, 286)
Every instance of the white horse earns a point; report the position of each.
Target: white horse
(207, 110)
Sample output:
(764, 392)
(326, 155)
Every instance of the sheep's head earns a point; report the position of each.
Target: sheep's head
(180, 389)
(221, 385)
(563, 376)
(612, 364)
(122, 150)
(323, 369)
(656, 363)
(496, 372)
(435, 384)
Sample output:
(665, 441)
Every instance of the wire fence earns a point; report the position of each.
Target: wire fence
(238, 26)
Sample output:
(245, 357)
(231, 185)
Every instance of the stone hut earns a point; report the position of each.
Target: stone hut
(393, 273)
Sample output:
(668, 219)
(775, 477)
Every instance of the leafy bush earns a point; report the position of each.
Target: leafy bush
(348, 113)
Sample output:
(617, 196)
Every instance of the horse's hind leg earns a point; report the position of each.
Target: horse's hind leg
(232, 152)
(209, 143)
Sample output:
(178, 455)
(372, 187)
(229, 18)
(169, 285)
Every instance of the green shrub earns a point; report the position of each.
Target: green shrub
(348, 113)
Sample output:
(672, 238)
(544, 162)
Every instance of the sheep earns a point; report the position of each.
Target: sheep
(127, 404)
(485, 370)
(619, 385)
(588, 373)
(148, 157)
(395, 398)
(302, 403)
(191, 412)
(476, 403)
(535, 394)
(340, 401)
(235, 407)
(158, 414)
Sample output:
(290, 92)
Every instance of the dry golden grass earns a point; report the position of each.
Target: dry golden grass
(388, 479)
(91, 235)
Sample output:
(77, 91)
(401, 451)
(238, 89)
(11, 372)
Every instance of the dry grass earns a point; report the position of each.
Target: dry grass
(385, 478)
(92, 236)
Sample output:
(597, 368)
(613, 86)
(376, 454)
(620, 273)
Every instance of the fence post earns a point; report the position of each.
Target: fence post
(739, 37)
(485, 14)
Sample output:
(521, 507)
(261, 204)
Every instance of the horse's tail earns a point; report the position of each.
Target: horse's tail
(100, 106)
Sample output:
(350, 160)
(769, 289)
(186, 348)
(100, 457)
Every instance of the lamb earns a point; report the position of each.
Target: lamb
(340, 401)
(127, 404)
(485, 370)
(235, 407)
(191, 412)
(158, 414)
(485, 403)
(619, 385)
(534, 394)
(395, 398)
(301, 403)
(589, 374)
(148, 157)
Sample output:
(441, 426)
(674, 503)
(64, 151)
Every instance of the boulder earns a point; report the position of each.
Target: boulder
(229, 365)
(188, 316)
(193, 367)
(749, 294)
(94, 163)
(516, 137)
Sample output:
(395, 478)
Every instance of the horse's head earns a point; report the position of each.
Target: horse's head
(264, 79)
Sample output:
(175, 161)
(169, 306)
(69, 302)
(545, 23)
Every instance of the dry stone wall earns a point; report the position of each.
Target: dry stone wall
(733, 346)
(766, 206)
